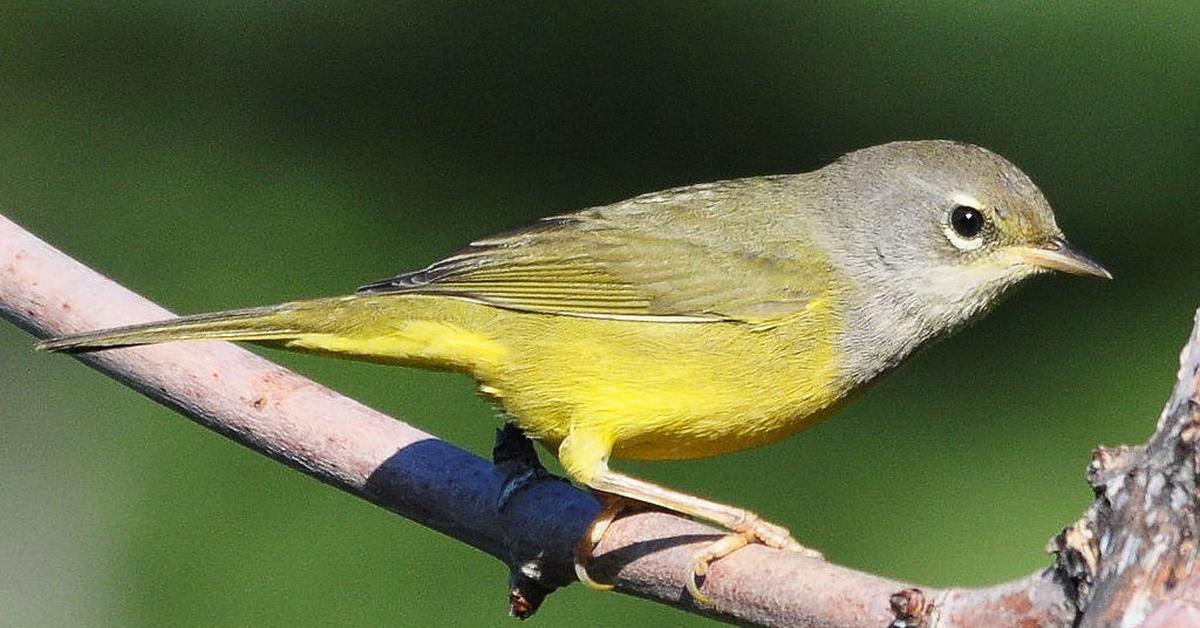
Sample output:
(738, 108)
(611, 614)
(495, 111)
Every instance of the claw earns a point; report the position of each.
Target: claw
(587, 543)
(724, 546)
(807, 552)
(586, 580)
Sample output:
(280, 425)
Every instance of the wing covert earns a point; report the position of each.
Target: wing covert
(593, 264)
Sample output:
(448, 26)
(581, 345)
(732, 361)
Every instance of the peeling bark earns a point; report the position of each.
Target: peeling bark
(1136, 544)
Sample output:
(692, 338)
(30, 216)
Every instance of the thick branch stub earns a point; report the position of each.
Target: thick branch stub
(1137, 543)
(530, 580)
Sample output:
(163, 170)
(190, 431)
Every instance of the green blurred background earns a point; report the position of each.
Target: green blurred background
(215, 155)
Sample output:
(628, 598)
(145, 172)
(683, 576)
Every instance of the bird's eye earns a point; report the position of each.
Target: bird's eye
(963, 227)
(966, 221)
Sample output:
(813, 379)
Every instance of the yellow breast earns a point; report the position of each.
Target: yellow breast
(668, 391)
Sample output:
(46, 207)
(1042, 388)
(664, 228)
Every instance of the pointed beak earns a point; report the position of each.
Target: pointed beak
(1058, 254)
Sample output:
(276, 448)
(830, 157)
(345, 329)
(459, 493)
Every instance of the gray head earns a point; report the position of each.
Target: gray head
(935, 233)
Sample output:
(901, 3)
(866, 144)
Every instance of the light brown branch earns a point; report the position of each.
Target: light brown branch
(343, 443)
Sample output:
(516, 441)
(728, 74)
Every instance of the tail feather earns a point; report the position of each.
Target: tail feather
(261, 323)
(432, 332)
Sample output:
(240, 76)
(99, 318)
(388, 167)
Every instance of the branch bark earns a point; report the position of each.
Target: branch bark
(1132, 556)
(340, 442)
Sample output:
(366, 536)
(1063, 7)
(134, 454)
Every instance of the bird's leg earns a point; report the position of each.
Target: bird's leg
(584, 455)
(746, 526)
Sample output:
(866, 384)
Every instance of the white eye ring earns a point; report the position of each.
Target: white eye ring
(961, 241)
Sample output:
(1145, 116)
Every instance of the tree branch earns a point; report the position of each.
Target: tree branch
(340, 442)
(1134, 553)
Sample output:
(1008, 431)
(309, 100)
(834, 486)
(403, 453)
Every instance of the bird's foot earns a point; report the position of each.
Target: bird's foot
(750, 530)
(611, 507)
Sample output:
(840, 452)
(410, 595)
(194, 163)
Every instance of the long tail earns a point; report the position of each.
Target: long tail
(426, 331)
(275, 322)
(431, 332)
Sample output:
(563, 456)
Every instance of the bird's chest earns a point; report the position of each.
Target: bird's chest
(685, 391)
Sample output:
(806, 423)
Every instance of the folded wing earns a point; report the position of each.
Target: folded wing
(600, 265)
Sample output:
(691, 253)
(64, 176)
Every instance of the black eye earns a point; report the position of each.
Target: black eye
(966, 221)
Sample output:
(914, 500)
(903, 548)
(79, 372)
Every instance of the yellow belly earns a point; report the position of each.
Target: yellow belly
(668, 391)
(649, 390)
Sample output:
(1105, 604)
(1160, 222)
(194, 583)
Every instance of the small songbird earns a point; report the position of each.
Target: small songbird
(693, 321)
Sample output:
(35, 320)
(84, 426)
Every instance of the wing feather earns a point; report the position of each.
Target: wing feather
(605, 263)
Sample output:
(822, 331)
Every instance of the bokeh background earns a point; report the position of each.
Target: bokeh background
(214, 155)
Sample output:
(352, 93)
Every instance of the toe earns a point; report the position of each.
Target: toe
(724, 546)
(583, 560)
(586, 545)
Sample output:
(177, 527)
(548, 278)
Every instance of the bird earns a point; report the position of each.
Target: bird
(693, 321)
